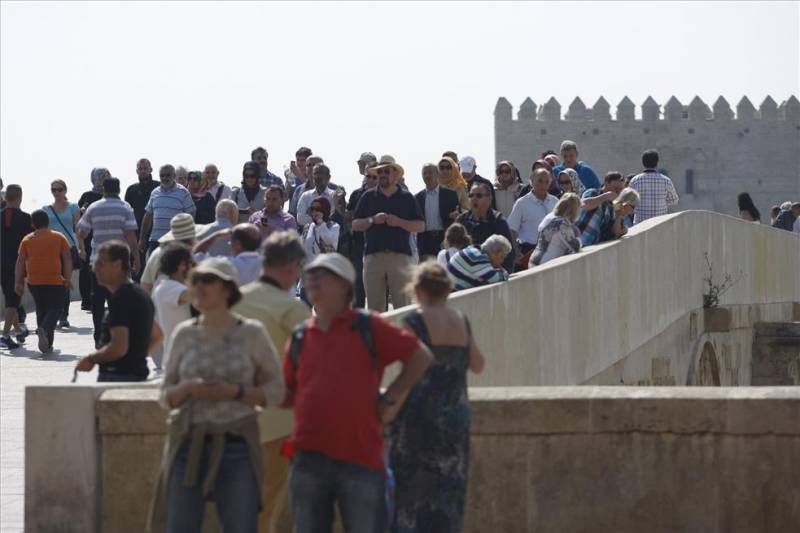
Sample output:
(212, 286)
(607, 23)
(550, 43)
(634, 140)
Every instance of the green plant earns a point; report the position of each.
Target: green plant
(715, 290)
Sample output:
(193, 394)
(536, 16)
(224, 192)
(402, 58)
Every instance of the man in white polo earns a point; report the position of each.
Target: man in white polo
(529, 211)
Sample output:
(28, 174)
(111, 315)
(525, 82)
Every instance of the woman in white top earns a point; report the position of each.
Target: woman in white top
(456, 238)
(321, 235)
(506, 187)
(171, 296)
(560, 235)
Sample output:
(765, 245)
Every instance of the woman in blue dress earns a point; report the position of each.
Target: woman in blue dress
(430, 438)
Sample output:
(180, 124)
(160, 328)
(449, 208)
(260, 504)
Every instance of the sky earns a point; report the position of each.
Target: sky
(94, 84)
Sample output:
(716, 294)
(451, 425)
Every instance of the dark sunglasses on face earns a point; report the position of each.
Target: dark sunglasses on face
(477, 195)
(372, 177)
(564, 182)
(205, 279)
(445, 167)
(250, 176)
(57, 189)
(165, 175)
(505, 171)
(315, 208)
(383, 172)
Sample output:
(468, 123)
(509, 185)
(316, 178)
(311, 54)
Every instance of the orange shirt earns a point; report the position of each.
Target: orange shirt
(42, 250)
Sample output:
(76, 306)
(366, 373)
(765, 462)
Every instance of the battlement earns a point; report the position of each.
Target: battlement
(651, 111)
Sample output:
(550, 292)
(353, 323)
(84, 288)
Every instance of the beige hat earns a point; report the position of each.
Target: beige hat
(628, 196)
(181, 228)
(387, 161)
(219, 266)
(336, 263)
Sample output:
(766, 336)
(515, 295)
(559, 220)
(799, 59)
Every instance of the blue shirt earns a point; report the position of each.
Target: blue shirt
(585, 173)
(595, 225)
(65, 227)
(166, 204)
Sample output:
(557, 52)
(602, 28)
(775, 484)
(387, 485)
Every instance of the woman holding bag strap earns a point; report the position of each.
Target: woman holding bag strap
(64, 216)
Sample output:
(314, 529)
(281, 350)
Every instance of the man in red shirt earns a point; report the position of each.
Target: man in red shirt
(333, 369)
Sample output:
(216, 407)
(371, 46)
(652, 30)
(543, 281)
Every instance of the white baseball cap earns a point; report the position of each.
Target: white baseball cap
(467, 164)
(336, 263)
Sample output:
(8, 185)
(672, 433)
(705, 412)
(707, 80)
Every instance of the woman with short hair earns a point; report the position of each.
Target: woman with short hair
(560, 235)
(430, 437)
(456, 238)
(220, 368)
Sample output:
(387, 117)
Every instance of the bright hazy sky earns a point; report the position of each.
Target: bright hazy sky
(103, 84)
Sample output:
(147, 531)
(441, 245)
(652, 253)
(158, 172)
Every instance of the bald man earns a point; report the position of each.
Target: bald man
(245, 240)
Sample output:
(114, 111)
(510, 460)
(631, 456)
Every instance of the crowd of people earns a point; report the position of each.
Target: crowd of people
(267, 294)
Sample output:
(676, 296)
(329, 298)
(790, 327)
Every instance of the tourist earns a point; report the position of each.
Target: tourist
(182, 176)
(450, 178)
(656, 191)
(553, 189)
(436, 412)
(296, 175)
(307, 185)
(388, 215)
(469, 171)
(321, 176)
(44, 259)
(482, 221)
(64, 216)
(105, 220)
(213, 185)
(268, 301)
(337, 440)
(440, 207)
(369, 181)
(171, 297)
(796, 213)
(785, 218)
(529, 211)
(451, 154)
(559, 236)
(245, 240)
(747, 209)
(476, 266)
(569, 156)
(129, 333)
(183, 229)
(221, 367)
(166, 201)
(137, 196)
(249, 197)
(203, 201)
(774, 211)
(15, 224)
(568, 181)
(456, 239)
(597, 221)
(551, 157)
(97, 176)
(272, 217)
(226, 216)
(265, 177)
(506, 187)
(321, 235)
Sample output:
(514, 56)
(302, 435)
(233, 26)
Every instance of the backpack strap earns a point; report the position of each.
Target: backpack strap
(363, 323)
(217, 196)
(296, 344)
(62, 224)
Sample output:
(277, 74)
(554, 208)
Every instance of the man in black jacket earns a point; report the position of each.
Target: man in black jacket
(469, 170)
(440, 207)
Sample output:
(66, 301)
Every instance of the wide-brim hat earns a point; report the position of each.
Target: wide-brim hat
(387, 161)
(181, 228)
(336, 263)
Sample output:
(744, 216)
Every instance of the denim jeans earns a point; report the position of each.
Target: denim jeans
(317, 482)
(49, 300)
(235, 491)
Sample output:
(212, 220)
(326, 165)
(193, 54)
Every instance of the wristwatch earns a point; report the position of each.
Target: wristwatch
(371, 220)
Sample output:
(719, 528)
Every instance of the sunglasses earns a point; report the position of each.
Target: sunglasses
(205, 279)
(57, 189)
(315, 208)
(445, 167)
(567, 182)
(505, 171)
(166, 175)
(250, 176)
(477, 195)
(383, 172)
(371, 177)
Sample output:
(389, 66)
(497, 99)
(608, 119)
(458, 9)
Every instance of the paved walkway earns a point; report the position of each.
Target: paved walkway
(20, 368)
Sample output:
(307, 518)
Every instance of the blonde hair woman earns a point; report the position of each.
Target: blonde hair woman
(560, 235)
(436, 412)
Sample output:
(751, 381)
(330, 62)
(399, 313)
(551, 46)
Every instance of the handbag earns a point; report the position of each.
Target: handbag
(77, 262)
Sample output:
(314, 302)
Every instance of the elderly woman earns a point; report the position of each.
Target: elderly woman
(221, 368)
(249, 197)
(560, 235)
(475, 267)
(456, 238)
(450, 177)
(506, 187)
(435, 412)
(568, 181)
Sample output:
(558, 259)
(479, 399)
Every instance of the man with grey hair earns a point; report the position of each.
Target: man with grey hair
(166, 201)
(216, 188)
(569, 158)
(475, 267)
(226, 216)
(786, 217)
(440, 207)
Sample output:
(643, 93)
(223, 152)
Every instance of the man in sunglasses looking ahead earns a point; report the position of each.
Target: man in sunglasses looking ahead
(482, 221)
(388, 215)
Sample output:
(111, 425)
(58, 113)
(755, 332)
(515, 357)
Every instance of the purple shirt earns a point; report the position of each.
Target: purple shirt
(280, 221)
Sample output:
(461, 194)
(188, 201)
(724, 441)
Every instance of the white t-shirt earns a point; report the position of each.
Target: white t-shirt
(169, 313)
(445, 255)
(527, 214)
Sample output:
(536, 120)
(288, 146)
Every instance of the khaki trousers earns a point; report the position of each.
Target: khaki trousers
(277, 515)
(384, 270)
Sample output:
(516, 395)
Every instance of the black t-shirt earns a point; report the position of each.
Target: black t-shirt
(382, 237)
(132, 308)
(204, 208)
(14, 225)
(358, 236)
(137, 195)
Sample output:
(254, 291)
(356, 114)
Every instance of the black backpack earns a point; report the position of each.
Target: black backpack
(362, 322)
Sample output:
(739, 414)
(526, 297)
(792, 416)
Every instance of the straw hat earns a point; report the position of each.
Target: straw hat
(387, 161)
